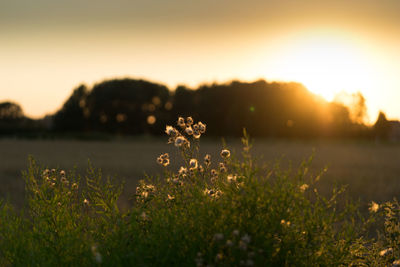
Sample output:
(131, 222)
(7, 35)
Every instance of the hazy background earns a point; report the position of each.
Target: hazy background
(49, 47)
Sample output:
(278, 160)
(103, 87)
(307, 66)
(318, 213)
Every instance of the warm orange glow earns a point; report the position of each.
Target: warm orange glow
(327, 66)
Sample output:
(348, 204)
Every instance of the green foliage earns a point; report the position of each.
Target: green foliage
(221, 212)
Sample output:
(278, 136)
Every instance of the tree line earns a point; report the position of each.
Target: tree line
(137, 107)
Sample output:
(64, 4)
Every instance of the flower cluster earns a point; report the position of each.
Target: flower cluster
(163, 159)
(188, 128)
(144, 191)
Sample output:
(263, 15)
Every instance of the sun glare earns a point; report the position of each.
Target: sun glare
(326, 66)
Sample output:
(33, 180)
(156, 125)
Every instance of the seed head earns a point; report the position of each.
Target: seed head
(189, 121)
(193, 164)
(386, 252)
(202, 127)
(171, 131)
(189, 130)
(303, 187)
(219, 237)
(181, 122)
(207, 160)
(225, 153)
(374, 207)
(179, 141)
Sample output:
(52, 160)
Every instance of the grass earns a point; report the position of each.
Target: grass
(229, 209)
(369, 169)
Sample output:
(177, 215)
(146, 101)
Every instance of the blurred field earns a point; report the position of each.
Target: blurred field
(371, 170)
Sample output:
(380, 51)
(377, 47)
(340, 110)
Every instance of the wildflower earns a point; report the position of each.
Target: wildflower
(97, 256)
(196, 134)
(196, 127)
(242, 245)
(86, 202)
(225, 153)
(199, 259)
(235, 232)
(62, 173)
(303, 187)
(74, 186)
(246, 238)
(219, 256)
(229, 243)
(207, 160)
(171, 131)
(189, 130)
(181, 122)
(64, 180)
(163, 159)
(189, 121)
(222, 167)
(46, 172)
(202, 127)
(373, 207)
(283, 222)
(213, 173)
(386, 252)
(144, 216)
(193, 164)
(180, 140)
(182, 171)
(53, 171)
(231, 178)
(169, 197)
(218, 237)
(396, 263)
(249, 262)
(59, 204)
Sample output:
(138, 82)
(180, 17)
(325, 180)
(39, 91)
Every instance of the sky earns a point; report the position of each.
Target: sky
(48, 48)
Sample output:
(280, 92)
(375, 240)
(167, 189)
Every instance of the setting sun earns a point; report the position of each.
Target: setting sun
(327, 66)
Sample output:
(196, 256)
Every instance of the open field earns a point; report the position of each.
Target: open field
(371, 170)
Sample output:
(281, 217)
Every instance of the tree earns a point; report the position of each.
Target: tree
(10, 111)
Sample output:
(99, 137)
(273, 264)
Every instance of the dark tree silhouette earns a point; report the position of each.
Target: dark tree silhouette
(71, 117)
(381, 126)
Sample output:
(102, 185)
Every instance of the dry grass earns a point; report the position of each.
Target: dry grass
(371, 170)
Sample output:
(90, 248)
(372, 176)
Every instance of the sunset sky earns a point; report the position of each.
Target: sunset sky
(49, 47)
